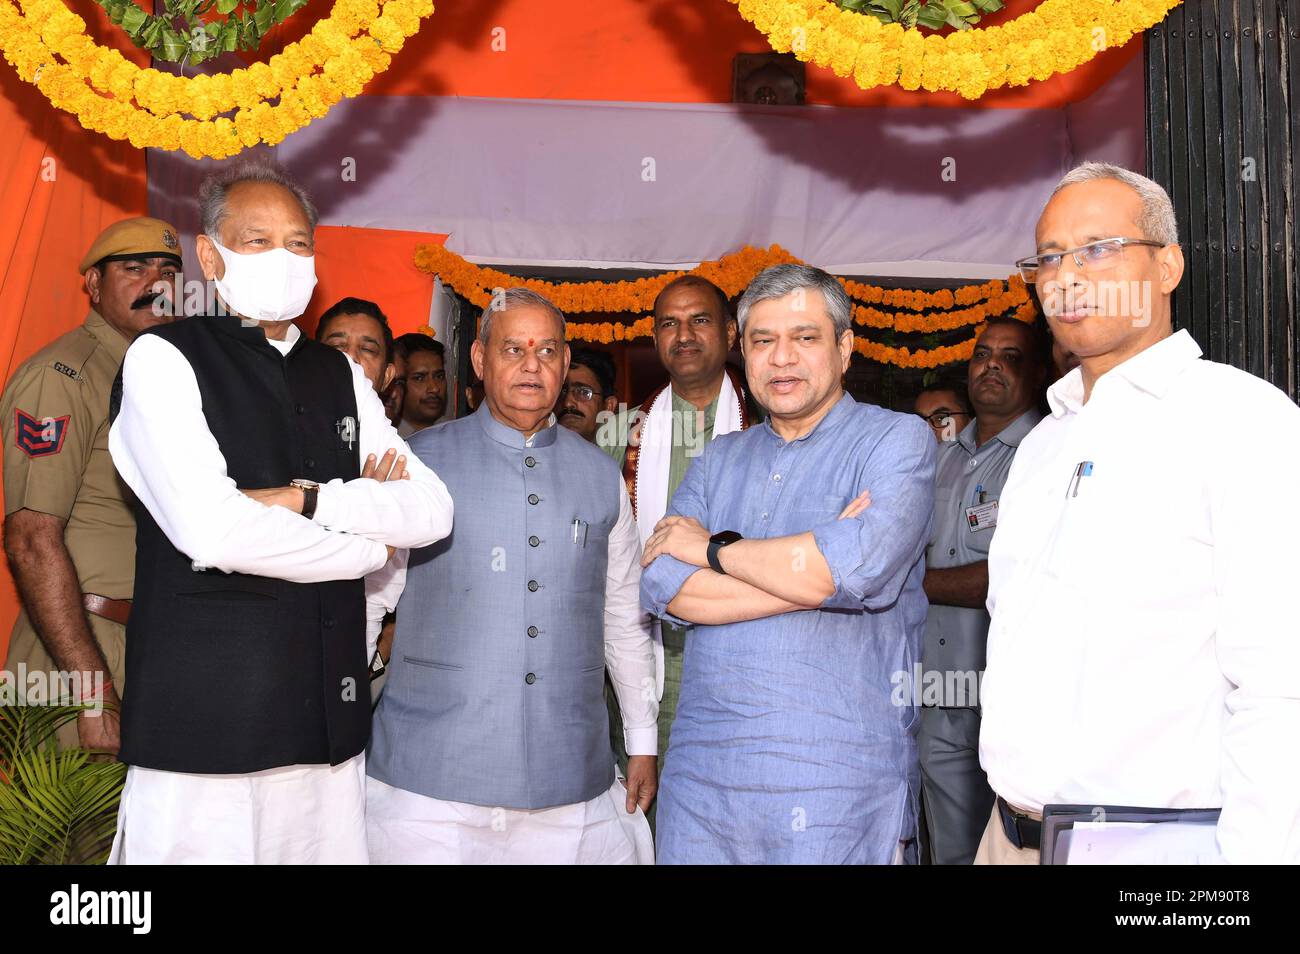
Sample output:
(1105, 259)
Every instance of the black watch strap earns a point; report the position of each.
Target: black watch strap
(309, 495)
(716, 543)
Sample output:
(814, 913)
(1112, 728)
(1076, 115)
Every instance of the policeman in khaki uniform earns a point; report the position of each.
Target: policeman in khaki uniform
(69, 532)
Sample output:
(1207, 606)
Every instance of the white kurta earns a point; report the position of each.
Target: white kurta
(165, 453)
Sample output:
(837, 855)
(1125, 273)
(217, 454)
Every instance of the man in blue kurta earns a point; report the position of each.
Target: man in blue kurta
(796, 549)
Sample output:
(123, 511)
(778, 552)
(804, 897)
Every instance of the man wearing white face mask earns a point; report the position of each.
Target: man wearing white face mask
(244, 441)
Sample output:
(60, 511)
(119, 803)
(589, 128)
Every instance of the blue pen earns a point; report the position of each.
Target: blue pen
(1084, 469)
(979, 495)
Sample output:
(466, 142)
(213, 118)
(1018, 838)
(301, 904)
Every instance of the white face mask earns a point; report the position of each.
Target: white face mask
(274, 285)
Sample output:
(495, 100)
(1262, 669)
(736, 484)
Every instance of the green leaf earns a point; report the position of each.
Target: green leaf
(262, 17)
(225, 7)
(287, 8)
(133, 20)
(151, 38)
(174, 46)
(932, 16)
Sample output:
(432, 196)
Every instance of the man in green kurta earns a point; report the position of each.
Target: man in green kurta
(704, 398)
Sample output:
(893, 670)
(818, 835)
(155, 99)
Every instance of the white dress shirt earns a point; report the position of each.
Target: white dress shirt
(164, 451)
(1144, 648)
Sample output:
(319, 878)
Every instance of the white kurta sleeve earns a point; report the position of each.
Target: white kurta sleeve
(383, 590)
(400, 513)
(1258, 640)
(161, 446)
(629, 653)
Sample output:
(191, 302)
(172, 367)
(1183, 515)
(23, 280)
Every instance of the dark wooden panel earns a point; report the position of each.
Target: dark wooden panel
(1292, 48)
(1252, 177)
(1276, 198)
(1215, 186)
(1179, 152)
(1223, 124)
(1155, 56)
(1235, 317)
(1196, 281)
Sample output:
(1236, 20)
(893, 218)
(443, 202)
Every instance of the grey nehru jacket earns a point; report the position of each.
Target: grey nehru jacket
(496, 690)
(955, 636)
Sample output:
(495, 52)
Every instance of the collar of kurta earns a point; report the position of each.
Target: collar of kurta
(829, 420)
(505, 434)
(253, 333)
(114, 341)
(1152, 371)
(1011, 435)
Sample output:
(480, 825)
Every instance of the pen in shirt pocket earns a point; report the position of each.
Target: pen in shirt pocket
(579, 532)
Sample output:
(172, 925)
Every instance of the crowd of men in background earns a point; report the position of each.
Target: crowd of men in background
(677, 640)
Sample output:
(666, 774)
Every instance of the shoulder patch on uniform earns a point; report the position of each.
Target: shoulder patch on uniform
(40, 438)
(62, 368)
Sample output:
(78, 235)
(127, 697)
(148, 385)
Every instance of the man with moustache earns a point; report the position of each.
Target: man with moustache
(1005, 378)
(1143, 646)
(490, 741)
(360, 329)
(69, 532)
(703, 399)
(243, 440)
(425, 395)
(588, 390)
(796, 550)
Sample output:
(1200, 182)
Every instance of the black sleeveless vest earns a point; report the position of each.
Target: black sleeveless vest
(228, 672)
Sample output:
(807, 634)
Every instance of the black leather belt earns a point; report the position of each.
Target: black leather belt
(1021, 830)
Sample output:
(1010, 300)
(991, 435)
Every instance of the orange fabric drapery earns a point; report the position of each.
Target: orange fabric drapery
(375, 264)
(60, 185)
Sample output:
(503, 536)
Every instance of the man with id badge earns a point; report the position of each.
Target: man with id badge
(1005, 378)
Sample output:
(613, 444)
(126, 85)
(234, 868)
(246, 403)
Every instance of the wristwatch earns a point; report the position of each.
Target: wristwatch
(309, 489)
(716, 543)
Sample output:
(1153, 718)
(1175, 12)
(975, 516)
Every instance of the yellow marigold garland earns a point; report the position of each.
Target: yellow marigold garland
(1055, 37)
(110, 94)
(733, 273)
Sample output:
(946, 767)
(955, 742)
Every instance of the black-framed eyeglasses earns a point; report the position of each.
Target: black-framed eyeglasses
(582, 392)
(1098, 256)
(942, 418)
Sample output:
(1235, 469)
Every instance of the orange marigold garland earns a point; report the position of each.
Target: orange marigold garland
(926, 312)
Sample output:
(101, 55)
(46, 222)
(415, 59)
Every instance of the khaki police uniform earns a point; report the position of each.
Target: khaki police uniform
(54, 416)
(56, 461)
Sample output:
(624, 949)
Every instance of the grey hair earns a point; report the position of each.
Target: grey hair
(215, 191)
(777, 281)
(1156, 222)
(505, 299)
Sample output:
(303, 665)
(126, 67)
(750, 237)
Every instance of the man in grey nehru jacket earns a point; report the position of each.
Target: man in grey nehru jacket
(490, 743)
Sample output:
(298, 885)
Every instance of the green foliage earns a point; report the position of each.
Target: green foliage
(57, 806)
(181, 35)
(927, 14)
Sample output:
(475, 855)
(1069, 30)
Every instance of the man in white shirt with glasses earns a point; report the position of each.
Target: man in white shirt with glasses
(1144, 649)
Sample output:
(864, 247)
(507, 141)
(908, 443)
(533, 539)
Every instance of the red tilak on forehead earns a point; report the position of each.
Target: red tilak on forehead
(530, 342)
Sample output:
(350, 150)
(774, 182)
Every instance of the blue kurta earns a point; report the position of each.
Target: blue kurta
(795, 735)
